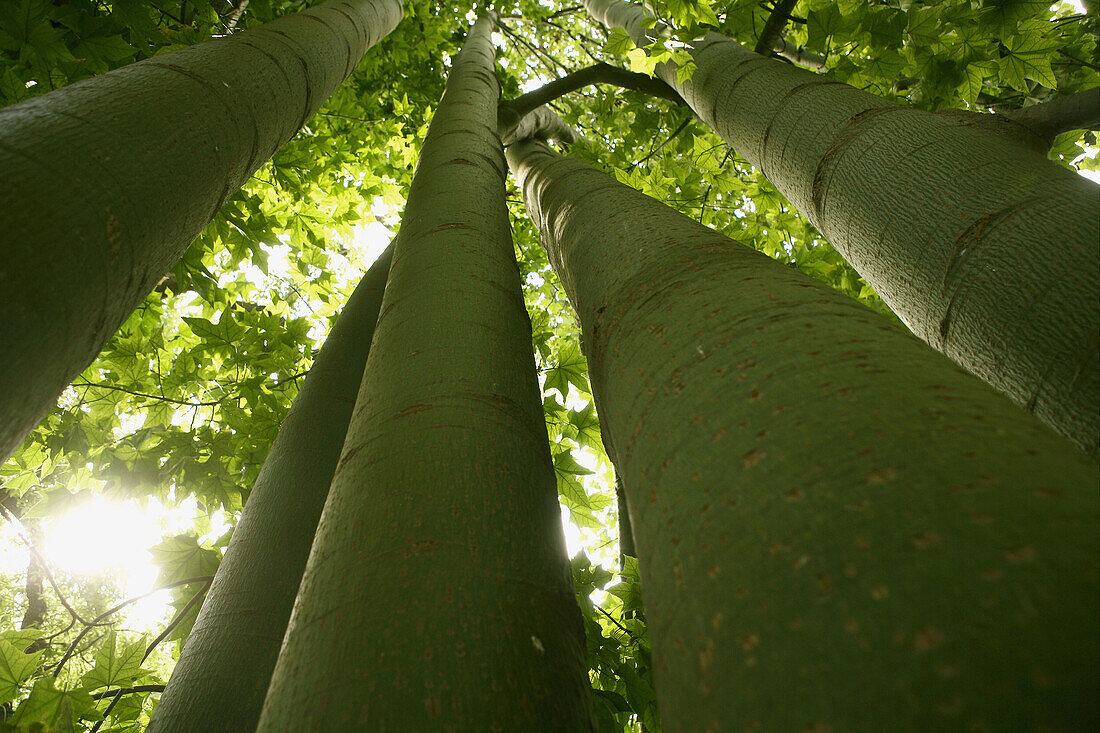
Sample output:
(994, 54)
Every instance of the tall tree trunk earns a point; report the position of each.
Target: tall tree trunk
(437, 595)
(222, 676)
(836, 527)
(983, 247)
(104, 183)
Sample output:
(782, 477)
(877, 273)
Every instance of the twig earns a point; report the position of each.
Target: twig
(176, 620)
(174, 401)
(111, 611)
(538, 52)
(127, 691)
(625, 630)
(565, 11)
(660, 147)
(706, 194)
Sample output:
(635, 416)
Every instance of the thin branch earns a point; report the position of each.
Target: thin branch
(773, 28)
(706, 194)
(564, 11)
(660, 147)
(1078, 61)
(98, 385)
(625, 630)
(127, 691)
(584, 42)
(596, 74)
(112, 611)
(176, 620)
(543, 56)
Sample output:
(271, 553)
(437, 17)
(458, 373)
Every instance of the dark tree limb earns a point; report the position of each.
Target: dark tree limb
(773, 28)
(35, 615)
(595, 74)
(1080, 111)
(127, 691)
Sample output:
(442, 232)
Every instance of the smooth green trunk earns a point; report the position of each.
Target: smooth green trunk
(437, 595)
(223, 672)
(837, 529)
(983, 247)
(105, 183)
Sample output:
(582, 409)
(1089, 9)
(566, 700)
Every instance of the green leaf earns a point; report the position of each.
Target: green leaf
(15, 666)
(115, 667)
(57, 710)
(584, 427)
(571, 368)
(618, 43)
(182, 557)
(1028, 57)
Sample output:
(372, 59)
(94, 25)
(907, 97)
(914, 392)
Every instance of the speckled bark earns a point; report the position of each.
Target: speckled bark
(104, 183)
(222, 675)
(983, 247)
(437, 595)
(837, 528)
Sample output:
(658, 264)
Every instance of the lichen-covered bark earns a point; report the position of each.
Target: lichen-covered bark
(837, 528)
(983, 247)
(104, 183)
(223, 672)
(437, 594)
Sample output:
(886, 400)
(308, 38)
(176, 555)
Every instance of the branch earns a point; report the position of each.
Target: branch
(773, 28)
(127, 691)
(149, 650)
(98, 385)
(97, 621)
(231, 20)
(596, 74)
(660, 147)
(799, 56)
(1080, 111)
(543, 124)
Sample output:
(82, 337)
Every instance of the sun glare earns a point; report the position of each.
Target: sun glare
(100, 537)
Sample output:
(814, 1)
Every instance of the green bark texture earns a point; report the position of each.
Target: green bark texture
(983, 247)
(104, 183)
(437, 595)
(837, 528)
(222, 675)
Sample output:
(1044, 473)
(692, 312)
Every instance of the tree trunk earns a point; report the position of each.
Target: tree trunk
(836, 527)
(104, 183)
(983, 247)
(222, 676)
(437, 595)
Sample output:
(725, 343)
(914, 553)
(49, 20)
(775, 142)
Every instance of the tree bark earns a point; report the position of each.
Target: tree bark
(836, 527)
(104, 183)
(437, 595)
(223, 672)
(983, 247)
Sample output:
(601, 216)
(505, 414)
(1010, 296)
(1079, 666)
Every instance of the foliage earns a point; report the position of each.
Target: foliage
(186, 399)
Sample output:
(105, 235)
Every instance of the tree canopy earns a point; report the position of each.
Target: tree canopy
(185, 400)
